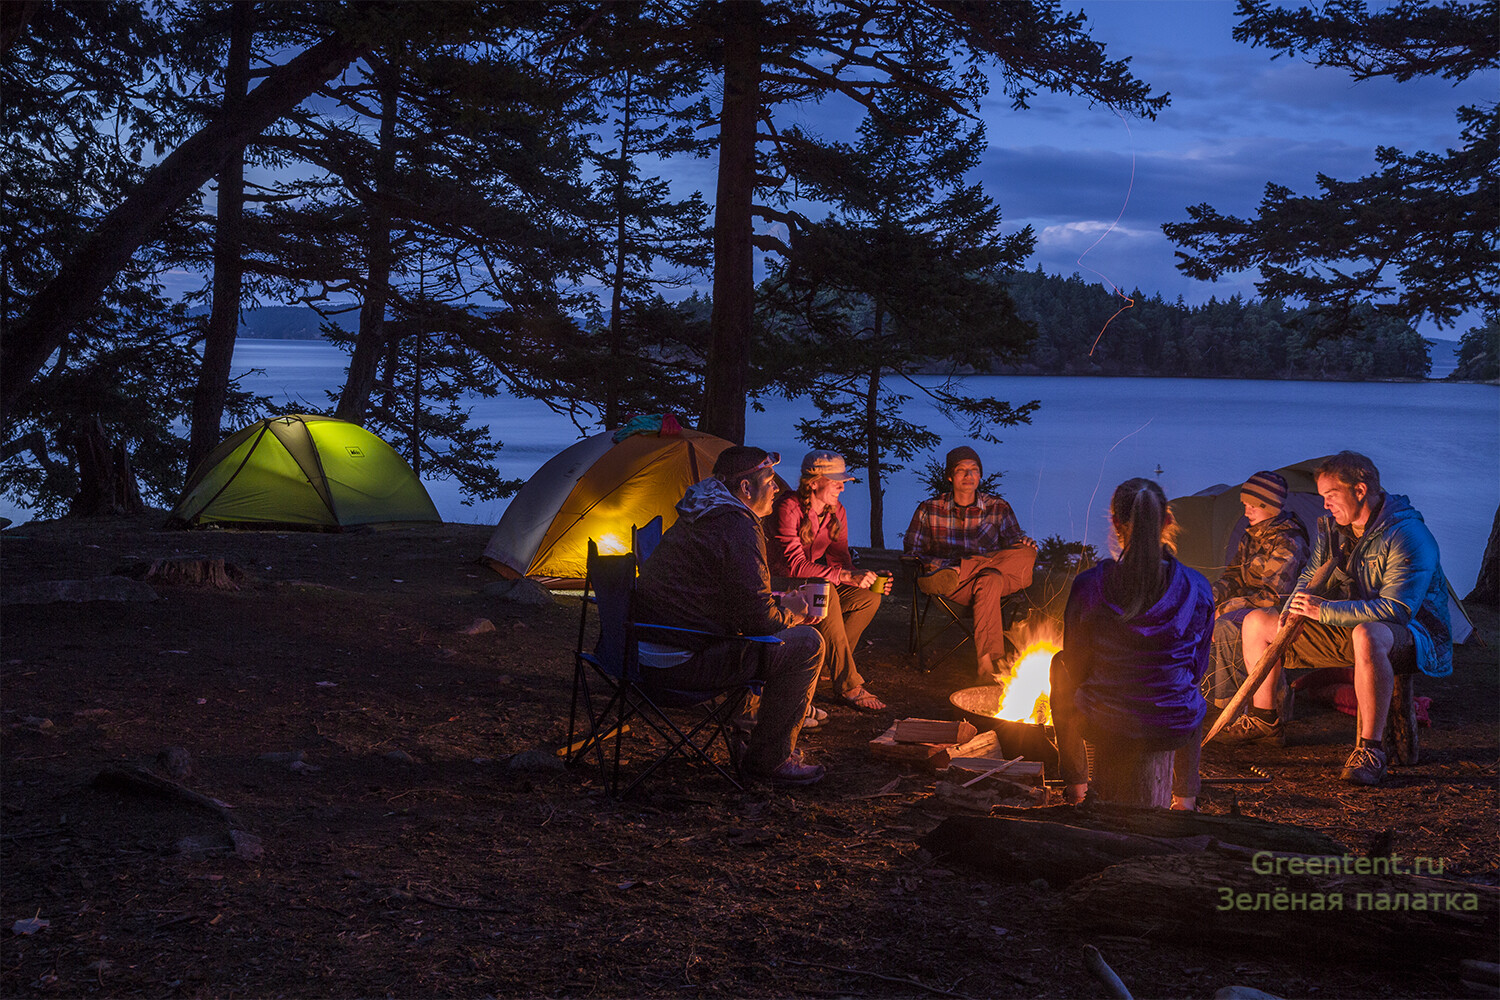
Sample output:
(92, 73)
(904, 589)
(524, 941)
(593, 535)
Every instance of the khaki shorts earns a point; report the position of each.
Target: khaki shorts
(1320, 645)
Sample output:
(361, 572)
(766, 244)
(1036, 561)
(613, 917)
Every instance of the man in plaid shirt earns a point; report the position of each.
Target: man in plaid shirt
(972, 551)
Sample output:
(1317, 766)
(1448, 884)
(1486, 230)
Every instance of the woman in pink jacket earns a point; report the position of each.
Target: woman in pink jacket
(808, 539)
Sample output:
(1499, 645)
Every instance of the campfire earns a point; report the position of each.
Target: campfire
(1028, 680)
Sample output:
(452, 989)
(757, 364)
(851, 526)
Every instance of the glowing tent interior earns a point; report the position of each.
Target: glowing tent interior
(306, 471)
(597, 488)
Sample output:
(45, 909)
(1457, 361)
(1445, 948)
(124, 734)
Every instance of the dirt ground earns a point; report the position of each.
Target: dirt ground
(391, 837)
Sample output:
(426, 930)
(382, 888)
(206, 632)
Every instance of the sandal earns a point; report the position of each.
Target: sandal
(816, 714)
(863, 701)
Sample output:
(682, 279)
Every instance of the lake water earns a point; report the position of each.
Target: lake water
(1437, 443)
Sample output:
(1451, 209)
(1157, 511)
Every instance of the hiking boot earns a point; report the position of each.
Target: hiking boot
(944, 581)
(793, 772)
(1248, 729)
(1365, 766)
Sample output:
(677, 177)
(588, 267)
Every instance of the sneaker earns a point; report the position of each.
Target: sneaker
(944, 581)
(793, 772)
(1365, 766)
(1248, 729)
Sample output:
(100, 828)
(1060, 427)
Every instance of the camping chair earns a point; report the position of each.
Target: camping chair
(644, 539)
(611, 691)
(936, 620)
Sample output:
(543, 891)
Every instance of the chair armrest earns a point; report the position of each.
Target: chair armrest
(770, 640)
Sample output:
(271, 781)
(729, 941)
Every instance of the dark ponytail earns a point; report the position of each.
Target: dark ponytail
(1139, 512)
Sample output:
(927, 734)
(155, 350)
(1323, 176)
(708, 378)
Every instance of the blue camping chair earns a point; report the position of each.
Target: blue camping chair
(644, 539)
(612, 692)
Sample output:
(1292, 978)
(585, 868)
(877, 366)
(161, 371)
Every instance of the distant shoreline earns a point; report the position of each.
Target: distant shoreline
(319, 339)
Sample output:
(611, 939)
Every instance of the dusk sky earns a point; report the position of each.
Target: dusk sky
(1237, 120)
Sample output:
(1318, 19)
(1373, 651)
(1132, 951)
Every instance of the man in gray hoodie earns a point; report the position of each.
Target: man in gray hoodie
(710, 573)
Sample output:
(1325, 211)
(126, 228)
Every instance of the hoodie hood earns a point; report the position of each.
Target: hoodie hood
(1173, 615)
(709, 496)
(1286, 521)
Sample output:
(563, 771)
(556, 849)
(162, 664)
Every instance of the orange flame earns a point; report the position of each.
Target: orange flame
(1028, 683)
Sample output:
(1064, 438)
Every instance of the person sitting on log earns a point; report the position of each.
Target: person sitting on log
(1386, 612)
(1136, 637)
(972, 551)
(1266, 564)
(808, 539)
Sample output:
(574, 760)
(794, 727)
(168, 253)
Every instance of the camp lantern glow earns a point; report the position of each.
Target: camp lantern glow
(610, 544)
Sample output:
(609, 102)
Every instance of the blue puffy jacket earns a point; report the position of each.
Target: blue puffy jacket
(1393, 575)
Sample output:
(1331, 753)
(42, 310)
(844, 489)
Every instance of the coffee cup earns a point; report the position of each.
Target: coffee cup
(882, 584)
(815, 593)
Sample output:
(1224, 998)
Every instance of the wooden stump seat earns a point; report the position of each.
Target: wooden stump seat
(1129, 774)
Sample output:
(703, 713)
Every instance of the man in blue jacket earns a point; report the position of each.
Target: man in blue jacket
(1385, 611)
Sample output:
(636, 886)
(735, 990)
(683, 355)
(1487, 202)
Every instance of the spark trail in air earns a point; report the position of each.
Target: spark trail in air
(1129, 302)
(1098, 482)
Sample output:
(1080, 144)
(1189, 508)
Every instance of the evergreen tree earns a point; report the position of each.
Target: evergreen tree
(905, 280)
(1418, 237)
(786, 52)
(1479, 352)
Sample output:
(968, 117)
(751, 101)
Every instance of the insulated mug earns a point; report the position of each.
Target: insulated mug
(815, 594)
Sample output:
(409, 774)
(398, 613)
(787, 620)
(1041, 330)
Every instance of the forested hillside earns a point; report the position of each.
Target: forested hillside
(1220, 339)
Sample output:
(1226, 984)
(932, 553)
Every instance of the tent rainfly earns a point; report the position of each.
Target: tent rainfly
(597, 488)
(306, 471)
(1211, 522)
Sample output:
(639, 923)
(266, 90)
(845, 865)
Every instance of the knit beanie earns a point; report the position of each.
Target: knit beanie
(957, 455)
(1268, 488)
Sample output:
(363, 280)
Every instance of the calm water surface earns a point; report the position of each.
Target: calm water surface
(1437, 443)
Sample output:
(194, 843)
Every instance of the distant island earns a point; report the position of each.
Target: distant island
(1229, 339)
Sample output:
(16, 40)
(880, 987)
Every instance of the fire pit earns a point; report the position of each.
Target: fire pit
(1031, 740)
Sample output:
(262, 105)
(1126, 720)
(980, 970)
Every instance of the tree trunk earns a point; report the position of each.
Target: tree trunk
(355, 399)
(106, 482)
(224, 319)
(72, 294)
(872, 449)
(612, 416)
(1487, 587)
(725, 381)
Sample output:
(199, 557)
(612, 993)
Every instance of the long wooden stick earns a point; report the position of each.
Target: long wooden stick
(1290, 628)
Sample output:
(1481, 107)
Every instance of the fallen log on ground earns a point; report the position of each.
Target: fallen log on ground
(1274, 906)
(1065, 843)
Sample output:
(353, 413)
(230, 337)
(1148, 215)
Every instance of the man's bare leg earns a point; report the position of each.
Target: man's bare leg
(1374, 679)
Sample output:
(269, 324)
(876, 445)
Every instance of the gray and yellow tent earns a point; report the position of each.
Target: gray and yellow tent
(303, 471)
(597, 488)
(1211, 521)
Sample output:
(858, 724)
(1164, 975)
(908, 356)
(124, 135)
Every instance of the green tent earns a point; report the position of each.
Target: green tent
(303, 471)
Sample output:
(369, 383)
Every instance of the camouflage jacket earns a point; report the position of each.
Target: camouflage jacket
(1266, 565)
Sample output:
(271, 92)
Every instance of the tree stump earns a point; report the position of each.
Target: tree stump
(1132, 775)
